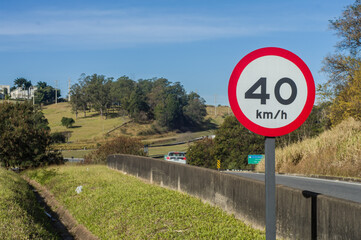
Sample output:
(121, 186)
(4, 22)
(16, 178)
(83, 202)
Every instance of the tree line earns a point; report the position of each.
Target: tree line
(233, 142)
(144, 100)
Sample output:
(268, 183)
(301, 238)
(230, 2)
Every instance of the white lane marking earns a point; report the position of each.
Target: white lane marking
(308, 178)
(321, 179)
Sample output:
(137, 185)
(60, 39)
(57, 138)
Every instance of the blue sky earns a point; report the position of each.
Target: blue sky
(195, 42)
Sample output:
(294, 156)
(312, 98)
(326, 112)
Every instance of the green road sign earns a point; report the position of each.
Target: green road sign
(255, 159)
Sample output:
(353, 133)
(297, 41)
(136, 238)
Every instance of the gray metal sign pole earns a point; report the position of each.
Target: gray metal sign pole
(270, 181)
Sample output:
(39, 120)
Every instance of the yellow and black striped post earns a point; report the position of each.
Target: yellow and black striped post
(218, 164)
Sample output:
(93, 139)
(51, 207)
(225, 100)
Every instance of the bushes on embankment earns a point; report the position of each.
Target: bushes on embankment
(336, 152)
(118, 145)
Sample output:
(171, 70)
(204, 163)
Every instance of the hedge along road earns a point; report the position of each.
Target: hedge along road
(334, 188)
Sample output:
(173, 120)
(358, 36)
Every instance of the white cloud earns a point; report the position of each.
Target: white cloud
(105, 28)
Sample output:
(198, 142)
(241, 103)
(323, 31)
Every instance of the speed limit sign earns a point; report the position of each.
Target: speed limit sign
(271, 91)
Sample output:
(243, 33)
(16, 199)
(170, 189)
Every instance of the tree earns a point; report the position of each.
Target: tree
(202, 154)
(233, 144)
(348, 28)
(25, 137)
(58, 137)
(45, 94)
(98, 88)
(67, 122)
(121, 90)
(137, 106)
(348, 102)
(195, 110)
(79, 99)
(342, 66)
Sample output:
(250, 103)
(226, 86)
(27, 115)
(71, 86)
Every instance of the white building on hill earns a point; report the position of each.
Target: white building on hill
(20, 93)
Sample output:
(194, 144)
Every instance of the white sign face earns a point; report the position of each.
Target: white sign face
(271, 91)
(278, 79)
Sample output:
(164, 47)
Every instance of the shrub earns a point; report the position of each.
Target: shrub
(202, 154)
(67, 122)
(119, 145)
(58, 137)
(233, 144)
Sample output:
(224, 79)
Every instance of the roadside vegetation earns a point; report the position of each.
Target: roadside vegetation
(117, 206)
(25, 137)
(21, 217)
(233, 142)
(119, 145)
(335, 152)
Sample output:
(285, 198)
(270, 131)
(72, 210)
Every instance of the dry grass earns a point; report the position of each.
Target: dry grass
(218, 114)
(336, 152)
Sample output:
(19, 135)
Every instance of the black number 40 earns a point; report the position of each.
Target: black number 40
(263, 96)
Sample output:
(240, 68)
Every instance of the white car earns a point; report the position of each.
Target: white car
(179, 157)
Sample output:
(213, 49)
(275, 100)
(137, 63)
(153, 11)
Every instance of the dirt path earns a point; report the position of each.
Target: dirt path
(67, 227)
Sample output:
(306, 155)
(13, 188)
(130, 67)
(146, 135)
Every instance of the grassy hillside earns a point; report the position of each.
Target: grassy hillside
(20, 215)
(117, 206)
(93, 126)
(91, 130)
(336, 152)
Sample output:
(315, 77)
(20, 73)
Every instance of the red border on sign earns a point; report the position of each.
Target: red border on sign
(232, 88)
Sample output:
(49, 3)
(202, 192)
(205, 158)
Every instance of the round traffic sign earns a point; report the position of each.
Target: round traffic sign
(271, 91)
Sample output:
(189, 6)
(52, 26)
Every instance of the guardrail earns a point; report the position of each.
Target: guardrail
(77, 160)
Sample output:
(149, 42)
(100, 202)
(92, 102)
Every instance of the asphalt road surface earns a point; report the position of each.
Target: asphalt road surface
(339, 189)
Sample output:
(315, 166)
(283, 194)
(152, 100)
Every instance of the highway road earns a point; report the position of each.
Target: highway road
(339, 189)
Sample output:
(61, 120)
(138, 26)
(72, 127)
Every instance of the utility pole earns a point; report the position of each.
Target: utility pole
(69, 90)
(56, 91)
(33, 91)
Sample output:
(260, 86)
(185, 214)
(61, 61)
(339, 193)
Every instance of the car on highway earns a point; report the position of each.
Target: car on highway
(179, 157)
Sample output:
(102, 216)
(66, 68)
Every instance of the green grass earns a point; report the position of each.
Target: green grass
(91, 127)
(21, 217)
(117, 206)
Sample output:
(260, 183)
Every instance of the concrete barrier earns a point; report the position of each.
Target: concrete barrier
(300, 214)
